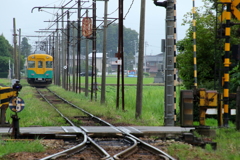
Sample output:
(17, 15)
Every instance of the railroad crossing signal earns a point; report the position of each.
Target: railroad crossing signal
(234, 9)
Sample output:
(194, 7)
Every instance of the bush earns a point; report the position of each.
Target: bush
(146, 74)
(3, 74)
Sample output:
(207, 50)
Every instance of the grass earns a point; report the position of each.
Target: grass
(38, 113)
(228, 146)
(127, 80)
(7, 147)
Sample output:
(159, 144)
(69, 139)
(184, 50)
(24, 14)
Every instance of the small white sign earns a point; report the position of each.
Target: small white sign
(119, 62)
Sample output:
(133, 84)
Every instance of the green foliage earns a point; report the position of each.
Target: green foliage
(206, 55)
(130, 37)
(146, 74)
(5, 54)
(3, 74)
(25, 47)
(235, 79)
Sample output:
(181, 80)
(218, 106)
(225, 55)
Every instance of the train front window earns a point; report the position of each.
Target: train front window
(40, 64)
(48, 64)
(31, 64)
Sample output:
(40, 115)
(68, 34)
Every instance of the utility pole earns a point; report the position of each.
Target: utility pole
(19, 54)
(170, 65)
(120, 56)
(103, 85)
(64, 64)
(140, 61)
(63, 55)
(57, 69)
(15, 49)
(145, 57)
(94, 69)
(78, 86)
(86, 68)
(68, 43)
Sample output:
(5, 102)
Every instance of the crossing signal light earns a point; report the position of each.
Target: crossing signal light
(17, 86)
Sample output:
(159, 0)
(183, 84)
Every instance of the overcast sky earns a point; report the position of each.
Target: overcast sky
(31, 22)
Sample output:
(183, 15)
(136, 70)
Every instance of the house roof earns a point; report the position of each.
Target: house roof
(98, 55)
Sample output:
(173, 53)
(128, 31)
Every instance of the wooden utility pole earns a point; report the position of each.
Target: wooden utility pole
(140, 60)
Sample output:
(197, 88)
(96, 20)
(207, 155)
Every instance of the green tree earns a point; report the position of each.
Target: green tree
(130, 37)
(25, 47)
(210, 49)
(5, 54)
(207, 55)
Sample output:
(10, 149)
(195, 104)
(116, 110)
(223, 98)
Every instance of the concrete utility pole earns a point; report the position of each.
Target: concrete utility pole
(120, 56)
(78, 86)
(103, 87)
(140, 60)
(19, 54)
(94, 69)
(63, 52)
(86, 67)
(57, 62)
(15, 50)
(170, 65)
(68, 52)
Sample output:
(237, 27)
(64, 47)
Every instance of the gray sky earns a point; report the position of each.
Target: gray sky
(31, 22)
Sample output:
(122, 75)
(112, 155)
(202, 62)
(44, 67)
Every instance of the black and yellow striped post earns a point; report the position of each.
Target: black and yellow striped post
(226, 64)
(194, 45)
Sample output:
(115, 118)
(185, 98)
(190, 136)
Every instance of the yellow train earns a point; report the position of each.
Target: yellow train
(39, 70)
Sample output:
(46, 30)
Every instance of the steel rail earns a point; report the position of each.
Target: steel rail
(129, 151)
(78, 147)
(70, 122)
(100, 150)
(143, 144)
(151, 148)
(72, 150)
(87, 113)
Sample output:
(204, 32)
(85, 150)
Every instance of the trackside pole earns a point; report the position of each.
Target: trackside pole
(15, 126)
(170, 64)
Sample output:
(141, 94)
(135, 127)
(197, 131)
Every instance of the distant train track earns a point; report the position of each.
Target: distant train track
(104, 147)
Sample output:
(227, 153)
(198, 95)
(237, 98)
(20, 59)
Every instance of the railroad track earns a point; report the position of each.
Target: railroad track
(120, 146)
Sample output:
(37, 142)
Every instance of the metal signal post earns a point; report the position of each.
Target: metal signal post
(170, 68)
